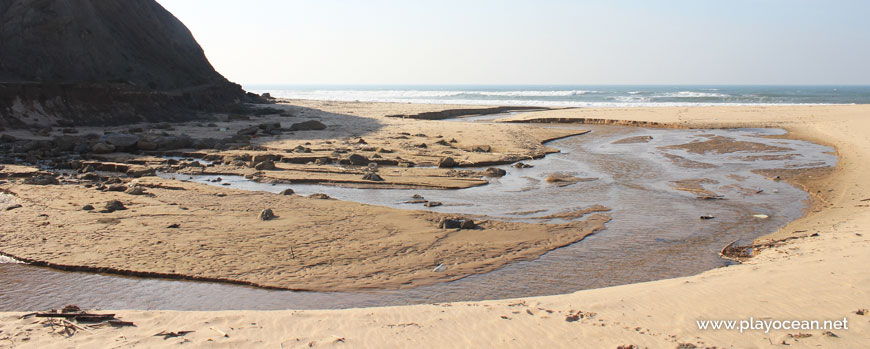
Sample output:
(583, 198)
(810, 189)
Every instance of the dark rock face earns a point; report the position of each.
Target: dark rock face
(103, 61)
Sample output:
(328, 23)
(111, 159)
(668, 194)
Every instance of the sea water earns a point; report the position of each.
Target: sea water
(575, 96)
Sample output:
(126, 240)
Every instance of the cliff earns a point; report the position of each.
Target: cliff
(103, 61)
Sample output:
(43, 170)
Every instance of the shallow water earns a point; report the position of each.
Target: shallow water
(655, 233)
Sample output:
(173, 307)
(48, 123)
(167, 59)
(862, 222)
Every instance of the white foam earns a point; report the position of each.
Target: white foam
(8, 260)
(690, 94)
(467, 98)
(560, 93)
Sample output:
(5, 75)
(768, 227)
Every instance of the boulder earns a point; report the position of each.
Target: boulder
(114, 205)
(320, 196)
(140, 171)
(359, 160)
(120, 140)
(287, 191)
(88, 207)
(116, 187)
(248, 131)
(174, 142)
(146, 145)
(494, 172)
(102, 148)
(307, 126)
(447, 162)
(267, 165)
(269, 126)
(432, 204)
(482, 149)
(371, 176)
(266, 215)
(137, 190)
(42, 180)
(264, 157)
(66, 143)
(456, 223)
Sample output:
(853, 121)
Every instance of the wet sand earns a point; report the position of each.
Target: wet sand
(807, 278)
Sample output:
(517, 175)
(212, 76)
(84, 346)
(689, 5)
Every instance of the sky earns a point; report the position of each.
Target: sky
(532, 42)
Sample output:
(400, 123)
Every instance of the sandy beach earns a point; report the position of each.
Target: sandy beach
(812, 269)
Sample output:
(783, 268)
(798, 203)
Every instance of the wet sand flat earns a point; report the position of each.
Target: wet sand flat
(820, 273)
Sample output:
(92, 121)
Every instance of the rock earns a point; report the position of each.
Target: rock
(12, 207)
(405, 164)
(447, 162)
(121, 141)
(321, 161)
(494, 172)
(269, 126)
(522, 165)
(361, 141)
(421, 145)
(86, 169)
(417, 196)
(456, 223)
(453, 140)
(114, 205)
(90, 176)
(432, 204)
(102, 148)
(137, 190)
(267, 165)
(248, 131)
(146, 145)
(320, 196)
(307, 126)
(442, 142)
(116, 187)
(88, 207)
(140, 171)
(482, 149)
(467, 224)
(287, 191)
(66, 143)
(173, 226)
(42, 180)
(707, 217)
(266, 215)
(372, 177)
(174, 142)
(359, 160)
(263, 157)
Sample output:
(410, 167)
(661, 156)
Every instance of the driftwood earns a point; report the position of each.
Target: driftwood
(84, 317)
(167, 335)
(219, 331)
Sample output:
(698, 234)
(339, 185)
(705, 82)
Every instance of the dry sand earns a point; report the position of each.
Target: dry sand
(819, 276)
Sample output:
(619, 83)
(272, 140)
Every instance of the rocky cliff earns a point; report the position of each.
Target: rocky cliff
(103, 61)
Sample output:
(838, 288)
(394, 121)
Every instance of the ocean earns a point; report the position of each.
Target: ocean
(576, 96)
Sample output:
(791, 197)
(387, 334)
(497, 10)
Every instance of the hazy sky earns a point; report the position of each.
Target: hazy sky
(533, 42)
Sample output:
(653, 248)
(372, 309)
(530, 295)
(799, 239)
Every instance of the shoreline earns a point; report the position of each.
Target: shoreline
(712, 294)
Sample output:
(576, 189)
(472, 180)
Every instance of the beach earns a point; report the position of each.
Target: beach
(811, 269)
